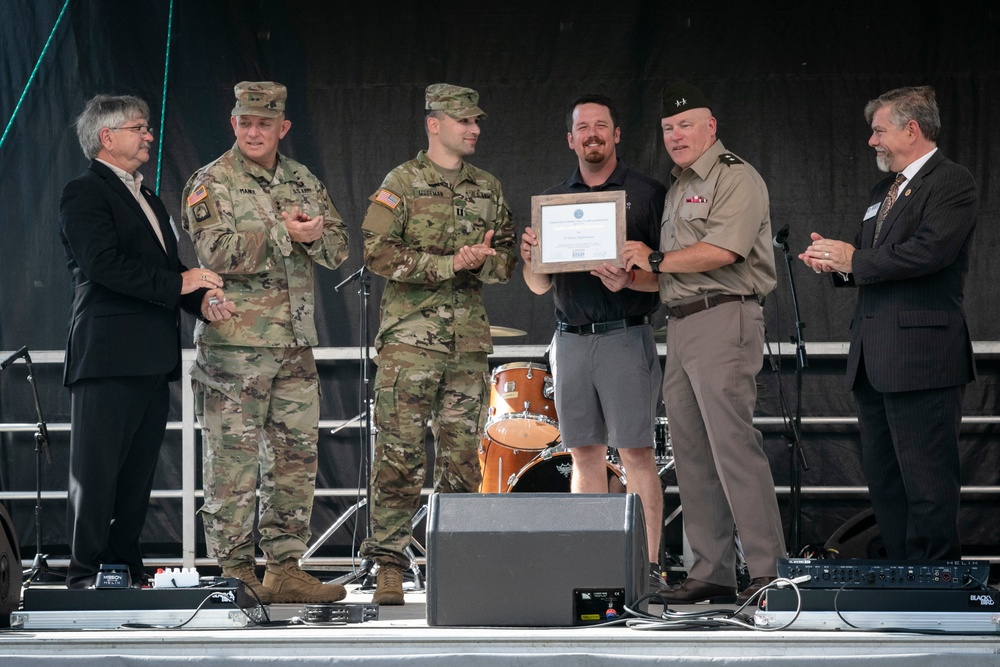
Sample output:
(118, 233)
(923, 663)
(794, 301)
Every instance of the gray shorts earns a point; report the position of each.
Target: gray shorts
(607, 387)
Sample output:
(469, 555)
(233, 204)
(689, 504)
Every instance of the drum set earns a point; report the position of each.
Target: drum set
(521, 451)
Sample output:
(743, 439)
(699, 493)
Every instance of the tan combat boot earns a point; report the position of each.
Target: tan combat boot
(247, 573)
(388, 585)
(286, 582)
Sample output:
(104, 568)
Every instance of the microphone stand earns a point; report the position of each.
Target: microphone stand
(361, 573)
(797, 461)
(39, 571)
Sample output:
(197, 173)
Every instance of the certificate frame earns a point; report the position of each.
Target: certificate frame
(549, 219)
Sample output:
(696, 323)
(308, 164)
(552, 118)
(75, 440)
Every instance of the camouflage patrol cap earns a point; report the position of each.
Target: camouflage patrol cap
(680, 96)
(456, 101)
(260, 98)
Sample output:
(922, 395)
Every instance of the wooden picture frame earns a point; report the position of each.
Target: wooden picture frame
(582, 231)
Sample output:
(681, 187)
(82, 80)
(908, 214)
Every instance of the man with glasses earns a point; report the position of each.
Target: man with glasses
(264, 221)
(123, 344)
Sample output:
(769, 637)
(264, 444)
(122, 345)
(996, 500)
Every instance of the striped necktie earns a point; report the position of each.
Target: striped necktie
(890, 199)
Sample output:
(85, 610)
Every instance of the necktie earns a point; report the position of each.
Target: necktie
(890, 199)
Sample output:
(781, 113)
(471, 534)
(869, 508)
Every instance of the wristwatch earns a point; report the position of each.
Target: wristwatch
(655, 258)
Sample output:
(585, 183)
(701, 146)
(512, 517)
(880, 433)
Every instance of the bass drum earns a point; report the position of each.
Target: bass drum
(553, 474)
(500, 464)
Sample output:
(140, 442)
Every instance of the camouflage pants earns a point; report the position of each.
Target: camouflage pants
(259, 412)
(414, 386)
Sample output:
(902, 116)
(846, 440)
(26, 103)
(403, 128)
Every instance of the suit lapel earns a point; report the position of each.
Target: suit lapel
(907, 193)
(116, 184)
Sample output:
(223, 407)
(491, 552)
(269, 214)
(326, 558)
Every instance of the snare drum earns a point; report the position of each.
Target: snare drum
(500, 465)
(553, 474)
(522, 413)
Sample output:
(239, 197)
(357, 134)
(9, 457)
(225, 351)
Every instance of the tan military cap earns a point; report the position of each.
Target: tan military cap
(260, 98)
(455, 101)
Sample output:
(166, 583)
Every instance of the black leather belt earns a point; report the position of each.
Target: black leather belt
(710, 301)
(601, 327)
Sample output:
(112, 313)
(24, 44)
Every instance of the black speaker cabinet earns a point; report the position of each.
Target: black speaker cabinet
(10, 569)
(533, 559)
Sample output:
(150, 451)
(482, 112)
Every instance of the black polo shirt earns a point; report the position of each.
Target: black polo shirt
(581, 298)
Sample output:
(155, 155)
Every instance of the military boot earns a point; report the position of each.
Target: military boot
(247, 573)
(286, 582)
(388, 585)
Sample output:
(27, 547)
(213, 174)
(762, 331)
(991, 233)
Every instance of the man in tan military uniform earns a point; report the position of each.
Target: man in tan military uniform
(437, 229)
(715, 262)
(262, 221)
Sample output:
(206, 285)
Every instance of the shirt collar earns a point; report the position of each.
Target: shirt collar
(131, 181)
(259, 172)
(433, 177)
(616, 179)
(703, 165)
(911, 169)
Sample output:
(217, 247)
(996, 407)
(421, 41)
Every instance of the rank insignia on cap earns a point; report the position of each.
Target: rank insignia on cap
(387, 199)
(729, 158)
(196, 196)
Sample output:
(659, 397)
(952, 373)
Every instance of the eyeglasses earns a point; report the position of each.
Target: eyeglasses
(141, 129)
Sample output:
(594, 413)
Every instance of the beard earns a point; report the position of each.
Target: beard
(595, 154)
(882, 160)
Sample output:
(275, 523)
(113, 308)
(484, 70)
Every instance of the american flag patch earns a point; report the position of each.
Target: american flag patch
(387, 198)
(196, 196)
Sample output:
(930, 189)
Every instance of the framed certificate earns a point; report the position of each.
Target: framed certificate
(577, 231)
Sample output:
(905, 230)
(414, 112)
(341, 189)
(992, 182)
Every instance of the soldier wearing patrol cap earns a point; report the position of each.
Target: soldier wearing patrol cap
(263, 221)
(715, 263)
(437, 229)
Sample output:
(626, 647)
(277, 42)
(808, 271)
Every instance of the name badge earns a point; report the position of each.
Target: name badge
(872, 210)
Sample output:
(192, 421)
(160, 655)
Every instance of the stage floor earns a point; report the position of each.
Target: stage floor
(402, 636)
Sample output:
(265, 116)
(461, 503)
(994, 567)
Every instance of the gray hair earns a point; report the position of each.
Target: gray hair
(106, 111)
(916, 103)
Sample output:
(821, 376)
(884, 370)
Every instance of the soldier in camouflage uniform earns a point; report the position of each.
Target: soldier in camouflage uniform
(437, 229)
(263, 221)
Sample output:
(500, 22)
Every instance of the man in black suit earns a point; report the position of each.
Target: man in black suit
(911, 353)
(123, 340)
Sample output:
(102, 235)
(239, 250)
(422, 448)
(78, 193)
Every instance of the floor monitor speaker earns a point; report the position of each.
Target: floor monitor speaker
(533, 559)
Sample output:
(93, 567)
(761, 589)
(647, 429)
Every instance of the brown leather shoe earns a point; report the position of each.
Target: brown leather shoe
(286, 582)
(247, 573)
(388, 585)
(756, 584)
(691, 591)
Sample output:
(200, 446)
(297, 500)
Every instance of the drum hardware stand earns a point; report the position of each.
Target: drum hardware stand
(793, 437)
(39, 571)
(366, 437)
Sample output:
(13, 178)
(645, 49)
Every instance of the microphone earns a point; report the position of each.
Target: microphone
(23, 352)
(781, 237)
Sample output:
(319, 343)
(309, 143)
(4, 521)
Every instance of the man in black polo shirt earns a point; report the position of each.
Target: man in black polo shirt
(608, 369)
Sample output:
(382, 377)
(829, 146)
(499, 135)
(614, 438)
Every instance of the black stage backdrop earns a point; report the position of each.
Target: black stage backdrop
(789, 86)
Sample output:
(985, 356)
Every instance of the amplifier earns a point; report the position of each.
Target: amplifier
(859, 573)
(903, 599)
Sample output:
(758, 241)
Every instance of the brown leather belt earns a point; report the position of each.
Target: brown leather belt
(601, 327)
(710, 301)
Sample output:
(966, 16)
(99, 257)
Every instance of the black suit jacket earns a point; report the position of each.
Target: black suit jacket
(910, 320)
(125, 318)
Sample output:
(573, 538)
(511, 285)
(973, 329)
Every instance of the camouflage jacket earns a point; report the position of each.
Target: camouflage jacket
(415, 225)
(231, 208)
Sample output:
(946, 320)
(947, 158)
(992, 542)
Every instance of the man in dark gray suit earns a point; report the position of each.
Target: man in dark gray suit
(123, 340)
(911, 354)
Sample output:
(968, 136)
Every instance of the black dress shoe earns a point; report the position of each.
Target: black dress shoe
(756, 584)
(691, 591)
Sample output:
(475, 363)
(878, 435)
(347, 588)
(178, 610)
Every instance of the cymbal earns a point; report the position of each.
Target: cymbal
(506, 332)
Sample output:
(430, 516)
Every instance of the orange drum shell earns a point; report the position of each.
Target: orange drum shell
(499, 464)
(510, 424)
(553, 474)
